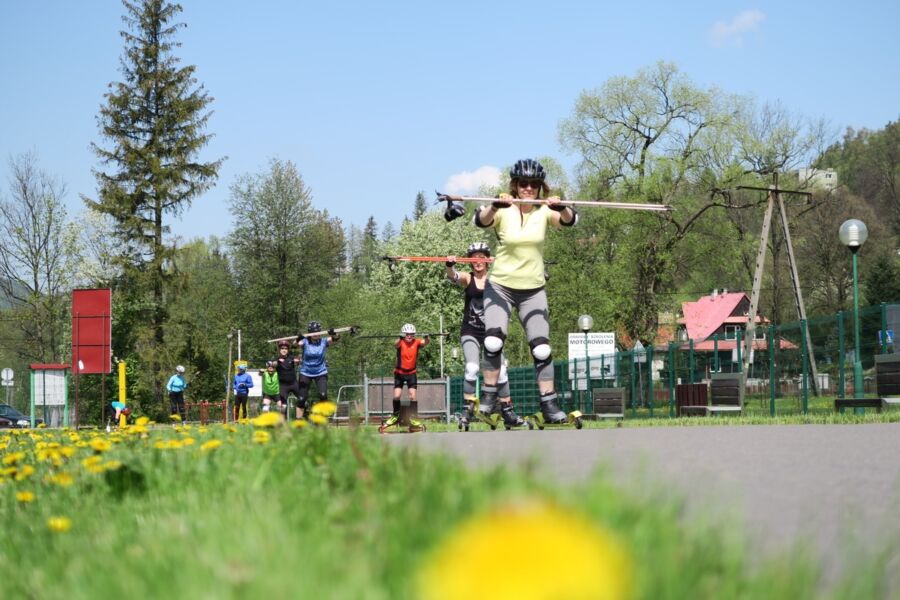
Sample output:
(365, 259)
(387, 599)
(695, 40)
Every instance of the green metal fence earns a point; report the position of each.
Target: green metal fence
(779, 378)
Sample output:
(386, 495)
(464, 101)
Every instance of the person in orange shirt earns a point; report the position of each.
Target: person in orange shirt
(405, 373)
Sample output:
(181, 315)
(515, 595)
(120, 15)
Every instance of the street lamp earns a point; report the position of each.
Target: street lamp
(853, 234)
(585, 323)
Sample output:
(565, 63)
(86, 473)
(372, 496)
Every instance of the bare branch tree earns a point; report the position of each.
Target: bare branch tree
(35, 251)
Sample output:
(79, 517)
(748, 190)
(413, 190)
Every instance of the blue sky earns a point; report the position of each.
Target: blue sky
(374, 101)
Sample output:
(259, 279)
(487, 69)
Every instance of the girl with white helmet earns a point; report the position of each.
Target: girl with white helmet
(405, 374)
(472, 340)
(176, 387)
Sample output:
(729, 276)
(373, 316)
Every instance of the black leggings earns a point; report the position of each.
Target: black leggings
(240, 400)
(321, 385)
(176, 401)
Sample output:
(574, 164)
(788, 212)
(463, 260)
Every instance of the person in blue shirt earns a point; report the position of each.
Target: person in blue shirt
(314, 369)
(242, 384)
(176, 387)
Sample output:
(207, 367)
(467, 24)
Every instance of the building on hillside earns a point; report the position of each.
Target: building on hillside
(716, 322)
(820, 178)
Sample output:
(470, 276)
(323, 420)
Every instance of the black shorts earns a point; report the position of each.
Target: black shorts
(409, 379)
(286, 389)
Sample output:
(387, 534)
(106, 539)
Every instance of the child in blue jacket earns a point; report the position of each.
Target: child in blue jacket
(242, 384)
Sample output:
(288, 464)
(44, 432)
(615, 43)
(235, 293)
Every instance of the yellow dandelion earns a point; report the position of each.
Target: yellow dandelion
(176, 418)
(81, 444)
(61, 479)
(67, 451)
(59, 524)
(261, 437)
(92, 464)
(25, 497)
(326, 409)
(42, 425)
(142, 421)
(299, 424)
(318, 419)
(267, 419)
(8, 471)
(526, 536)
(202, 429)
(230, 428)
(100, 445)
(25, 471)
(111, 465)
(210, 445)
(188, 441)
(13, 458)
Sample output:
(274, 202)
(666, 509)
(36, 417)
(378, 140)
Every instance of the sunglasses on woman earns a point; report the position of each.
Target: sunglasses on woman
(534, 184)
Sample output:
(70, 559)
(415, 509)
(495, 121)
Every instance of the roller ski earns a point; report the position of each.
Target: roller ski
(491, 414)
(393, 422)
(551, 415)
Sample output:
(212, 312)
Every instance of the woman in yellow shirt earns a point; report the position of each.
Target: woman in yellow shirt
(517, 279)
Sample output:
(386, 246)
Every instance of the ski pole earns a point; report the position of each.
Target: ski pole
(394, 336)
(460, 259)
(595, 203)
(351, 328)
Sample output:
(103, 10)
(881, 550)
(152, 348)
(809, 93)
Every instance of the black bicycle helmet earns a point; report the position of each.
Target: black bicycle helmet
(527, 168)
(314, 327)
(478, 247)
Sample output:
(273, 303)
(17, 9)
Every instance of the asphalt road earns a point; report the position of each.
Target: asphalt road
(834, 487)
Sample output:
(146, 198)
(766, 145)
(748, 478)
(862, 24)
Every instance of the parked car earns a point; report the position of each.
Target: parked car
(17, 419)
(6, 423)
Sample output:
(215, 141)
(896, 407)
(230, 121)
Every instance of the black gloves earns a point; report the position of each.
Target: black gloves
(331, 331)
(558, 207)
(427, 336)
(454, 211)
(354, 330)
(501, 204)
(450, 262)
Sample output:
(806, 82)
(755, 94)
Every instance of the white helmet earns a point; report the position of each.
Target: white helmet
(408, 329)
(179, 369)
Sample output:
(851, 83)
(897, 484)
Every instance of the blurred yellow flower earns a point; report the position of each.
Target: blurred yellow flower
(176, 418)
(100, 445)
(326, 409)
(534, 538)
(13, 458)
(168, 444)
(142, 421)
(25, 471)
(318, 419)
(299, 424)
(261, 437)
(112, 465)
(266, 419)
(202, 429)
(25, 497)
(188, 441)
(210, 445)
(61, 479)
(59, 524)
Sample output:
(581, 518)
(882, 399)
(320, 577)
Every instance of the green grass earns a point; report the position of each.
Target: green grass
(328, 513)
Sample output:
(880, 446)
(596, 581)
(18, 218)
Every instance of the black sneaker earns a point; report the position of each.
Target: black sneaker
(550, 409)
(510, 418)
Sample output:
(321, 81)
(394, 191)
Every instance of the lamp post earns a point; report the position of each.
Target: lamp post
(853, 234)
(585, 323)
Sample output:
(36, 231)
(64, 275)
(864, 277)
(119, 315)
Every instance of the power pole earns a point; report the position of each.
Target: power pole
(774, 197)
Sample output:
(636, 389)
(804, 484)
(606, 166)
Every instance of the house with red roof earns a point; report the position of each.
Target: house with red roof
(714, 322)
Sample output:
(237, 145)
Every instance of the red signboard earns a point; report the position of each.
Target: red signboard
(91, 331)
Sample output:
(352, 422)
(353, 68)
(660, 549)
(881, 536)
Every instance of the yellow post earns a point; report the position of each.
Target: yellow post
(123, 419)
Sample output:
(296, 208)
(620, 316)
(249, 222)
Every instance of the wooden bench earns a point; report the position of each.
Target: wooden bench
(887, 386)
(609, 403)
(726, 393)
(691, 399)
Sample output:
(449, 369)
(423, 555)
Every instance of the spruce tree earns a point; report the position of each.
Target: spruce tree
(153, 128)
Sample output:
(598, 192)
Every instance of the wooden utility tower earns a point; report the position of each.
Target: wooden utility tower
(774, 197)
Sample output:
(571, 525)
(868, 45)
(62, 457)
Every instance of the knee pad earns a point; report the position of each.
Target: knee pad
(543, 358)
(471, 371)
(493, 342)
